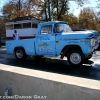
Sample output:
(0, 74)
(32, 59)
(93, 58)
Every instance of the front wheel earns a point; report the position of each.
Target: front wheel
(75, 58)
(20, 54)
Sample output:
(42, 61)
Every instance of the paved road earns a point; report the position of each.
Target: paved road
(90, 70)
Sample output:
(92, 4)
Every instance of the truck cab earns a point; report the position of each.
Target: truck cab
(56, 38)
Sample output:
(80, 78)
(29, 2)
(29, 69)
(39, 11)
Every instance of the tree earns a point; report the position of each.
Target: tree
(2, 27)
(20, 8)
(87, 18)
(72, 20)
(56, 9)
(43, 9)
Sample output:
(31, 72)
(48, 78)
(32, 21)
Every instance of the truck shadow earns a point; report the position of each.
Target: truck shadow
(87, 70)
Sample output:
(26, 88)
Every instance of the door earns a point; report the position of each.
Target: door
(45, 43)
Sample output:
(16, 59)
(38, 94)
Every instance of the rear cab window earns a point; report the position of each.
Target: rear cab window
(47, 29)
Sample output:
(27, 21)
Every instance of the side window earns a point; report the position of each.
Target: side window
(46, 29)
(61, 27)
(26, 25)
(58, 28)
(9, 27)
(34, 25)
(17, 26)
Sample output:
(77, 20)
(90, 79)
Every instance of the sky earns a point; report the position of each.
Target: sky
(2, 2)
(74, 8)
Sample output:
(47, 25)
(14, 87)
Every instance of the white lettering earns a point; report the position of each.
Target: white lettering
(39, 97)
(42, 97)
(23, 97)
(4, 97)
(35, 96)
(16, 96)
(45, 97)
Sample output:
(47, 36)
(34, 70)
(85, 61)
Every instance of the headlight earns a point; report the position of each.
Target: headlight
(92, 41)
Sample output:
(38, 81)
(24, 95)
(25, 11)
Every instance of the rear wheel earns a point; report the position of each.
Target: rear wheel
(75, 58)
(20, 54)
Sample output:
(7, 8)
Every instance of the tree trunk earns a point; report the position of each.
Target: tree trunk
(49, 10)
(46, 18)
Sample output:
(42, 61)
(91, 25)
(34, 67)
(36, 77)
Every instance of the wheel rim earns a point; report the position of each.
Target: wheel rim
(19, 53)
(75, 58)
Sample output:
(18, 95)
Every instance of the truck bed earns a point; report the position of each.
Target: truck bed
(27, 44)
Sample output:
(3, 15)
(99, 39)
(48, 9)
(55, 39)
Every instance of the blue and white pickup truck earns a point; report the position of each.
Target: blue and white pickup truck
(56, 38)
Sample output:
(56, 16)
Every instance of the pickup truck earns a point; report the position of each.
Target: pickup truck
(56, 38)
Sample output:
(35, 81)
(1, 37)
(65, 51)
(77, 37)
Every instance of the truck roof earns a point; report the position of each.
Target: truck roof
(53, 22)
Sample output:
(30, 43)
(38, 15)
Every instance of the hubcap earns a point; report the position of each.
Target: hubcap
(19, 53)
(75, 58)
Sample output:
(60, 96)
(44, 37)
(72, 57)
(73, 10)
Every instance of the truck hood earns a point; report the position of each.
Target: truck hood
(80, 34)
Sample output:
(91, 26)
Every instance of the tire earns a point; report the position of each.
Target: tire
(75, 58)
(20, 54)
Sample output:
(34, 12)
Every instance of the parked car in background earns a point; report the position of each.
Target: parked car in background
(79, 29)
(2, 41)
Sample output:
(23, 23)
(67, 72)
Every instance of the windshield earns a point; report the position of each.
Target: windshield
(61, 27)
